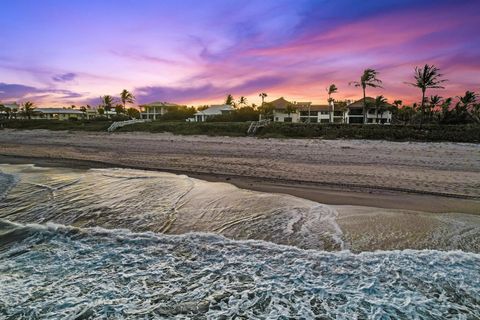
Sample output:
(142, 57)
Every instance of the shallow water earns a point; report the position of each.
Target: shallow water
(52, 271)
(162, 202)
(117, 243)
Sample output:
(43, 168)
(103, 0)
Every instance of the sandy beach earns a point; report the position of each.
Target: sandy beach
(435, 177)
(406, 191)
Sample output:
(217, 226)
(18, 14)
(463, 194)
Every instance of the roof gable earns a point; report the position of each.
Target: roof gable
(160, 104)
(280, 103)
(369, 101)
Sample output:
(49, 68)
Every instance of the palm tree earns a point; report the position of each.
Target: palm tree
(469, 98)
(398, 103)
(368, 79)
(331, 90)
(230, 100)
(432, 104)
(468, 105)
(263, 95)
(428, 77)
(28, 109)
(379, 105)
(126, 97)
(242, 101)
(107, 103)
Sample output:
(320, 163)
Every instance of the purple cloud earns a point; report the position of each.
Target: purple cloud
(64, 77)
(183, 94)
(20, 92)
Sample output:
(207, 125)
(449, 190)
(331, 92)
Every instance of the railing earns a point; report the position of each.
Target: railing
(255, 125)
(118, 124)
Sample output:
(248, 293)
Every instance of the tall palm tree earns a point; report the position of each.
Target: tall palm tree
(126, 97)
(331, 90)
(28, 109)
(368, 79)
(428, 77)
(107, 103)
(263, 95)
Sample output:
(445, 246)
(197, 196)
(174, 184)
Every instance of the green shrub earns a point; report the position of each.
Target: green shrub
(454, 133)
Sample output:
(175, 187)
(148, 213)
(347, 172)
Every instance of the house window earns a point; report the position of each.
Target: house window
(324, 120)
(338, 113)
(356, 112)
(305, 113)
(324, 112)
(355, 120)
(287, 119)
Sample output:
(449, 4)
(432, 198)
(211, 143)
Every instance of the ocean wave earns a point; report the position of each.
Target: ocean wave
(167, 203)
(54, 271)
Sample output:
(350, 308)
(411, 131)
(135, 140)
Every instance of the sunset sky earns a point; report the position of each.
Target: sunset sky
(195, 52)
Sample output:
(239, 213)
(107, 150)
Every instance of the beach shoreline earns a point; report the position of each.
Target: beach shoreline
(329, 195)
(415, 176)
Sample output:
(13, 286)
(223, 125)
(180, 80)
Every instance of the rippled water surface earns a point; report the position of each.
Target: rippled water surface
(128, 244)
(164, 203)
(57, 272)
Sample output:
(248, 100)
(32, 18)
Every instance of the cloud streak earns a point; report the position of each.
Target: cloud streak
(65, 77)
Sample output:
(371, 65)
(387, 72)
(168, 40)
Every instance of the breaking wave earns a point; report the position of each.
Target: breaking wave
(53, 271)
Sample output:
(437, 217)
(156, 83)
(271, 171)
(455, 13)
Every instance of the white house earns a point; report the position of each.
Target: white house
(57, 113)
(155, 110)
(381, 115)
(9, 108)
(286, 111)
(212, 111)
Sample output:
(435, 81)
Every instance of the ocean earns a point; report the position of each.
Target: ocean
(132, 244)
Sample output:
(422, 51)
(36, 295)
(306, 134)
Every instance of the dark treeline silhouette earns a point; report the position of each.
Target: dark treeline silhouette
(433, 109)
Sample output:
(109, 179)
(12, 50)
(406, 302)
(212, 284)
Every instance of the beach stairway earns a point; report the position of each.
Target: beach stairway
(118, 124)
(255, 125)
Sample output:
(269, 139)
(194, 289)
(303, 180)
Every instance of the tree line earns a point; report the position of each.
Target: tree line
(431, 109)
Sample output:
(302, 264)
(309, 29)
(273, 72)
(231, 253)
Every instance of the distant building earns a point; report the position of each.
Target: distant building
(57, 113)
(212, 111)
(305, 112)
(281, 110)
(9, 108)
(155, 110)
(354, 112)
(91, 113)
(286, 111)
